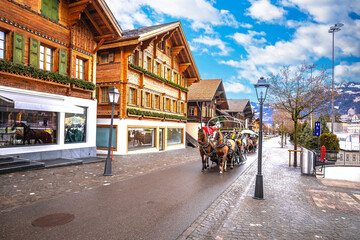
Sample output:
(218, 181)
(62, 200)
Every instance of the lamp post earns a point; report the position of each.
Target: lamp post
(261, 90)
(333, 29)
(113, 96)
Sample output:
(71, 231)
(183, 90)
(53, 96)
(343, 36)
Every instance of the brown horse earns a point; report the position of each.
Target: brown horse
(206, 148)
(39, 135)
(224, 148)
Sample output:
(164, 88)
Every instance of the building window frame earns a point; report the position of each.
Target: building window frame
(46, 59)
(2, 44)
(80, 68)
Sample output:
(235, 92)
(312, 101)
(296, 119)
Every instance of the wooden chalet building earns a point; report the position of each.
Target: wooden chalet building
(47, 76)
(152, 67)
(241, 110)
(206, 100)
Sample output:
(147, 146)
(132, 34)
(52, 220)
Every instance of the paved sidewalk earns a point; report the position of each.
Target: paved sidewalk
(295, 206)
(24, 188)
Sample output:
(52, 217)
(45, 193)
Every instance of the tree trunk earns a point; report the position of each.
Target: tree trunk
(285, 137)
(295, 143)
(282, 139)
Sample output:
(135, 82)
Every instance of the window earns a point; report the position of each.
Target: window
(148, 64)
(26, 127)
(75, 127)
(161, 45)
(147, 100)
(50, 8)
(141, 138)
(176, 78)
(132, 96)
(80, 68)
(131, 59)
(157, 69)
(102, 137)
(46, 58)
(157, 102)
(175, 136)
(168, 106)
(168, 73)
(2, 44)
(182, 108)
(104, 94)
(174, 106)
(203, 112)
(107, 57)
(193, 111)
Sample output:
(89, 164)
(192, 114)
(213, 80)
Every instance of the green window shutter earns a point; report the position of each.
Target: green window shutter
(55, 10)
(45, 7)
(19, 48)
(34, 53)
(63, 62)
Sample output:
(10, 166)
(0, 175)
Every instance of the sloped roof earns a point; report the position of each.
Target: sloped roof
(143, 30)
(204, 90)
(237, 105)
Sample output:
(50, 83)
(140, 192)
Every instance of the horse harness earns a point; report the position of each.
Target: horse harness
(204, 146)
(228, 144)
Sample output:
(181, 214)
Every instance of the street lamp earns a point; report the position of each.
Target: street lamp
(113, 96)
(333, 29)
(261, 90)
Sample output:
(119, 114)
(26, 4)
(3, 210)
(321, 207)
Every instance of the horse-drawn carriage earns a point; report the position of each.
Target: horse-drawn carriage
(221, 150)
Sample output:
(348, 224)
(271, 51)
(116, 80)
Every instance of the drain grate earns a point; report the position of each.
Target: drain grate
(53, 220)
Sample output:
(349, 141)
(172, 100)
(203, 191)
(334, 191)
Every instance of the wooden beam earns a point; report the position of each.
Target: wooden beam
(146, 43)
(99, 45)
(75, 12)
(184, 66)
(98, 10)
(107, 36)
(93, 22)
(177, 49)
(75, 4)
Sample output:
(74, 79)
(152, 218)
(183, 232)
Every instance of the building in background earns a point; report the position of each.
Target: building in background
(206, 100)
(47, 76)
(241, 110)
(152, 67)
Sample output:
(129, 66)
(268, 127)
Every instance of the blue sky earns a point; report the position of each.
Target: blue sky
(239, 41)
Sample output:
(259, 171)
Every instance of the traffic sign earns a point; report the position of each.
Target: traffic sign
(317, 129)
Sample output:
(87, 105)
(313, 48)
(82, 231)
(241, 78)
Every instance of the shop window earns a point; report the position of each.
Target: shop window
(46, 58)
(80, 68)
(27, 127)
(174, 136)
(132, 96)
(2, 44)
(141, 138)
(75, 127)
(102, 137)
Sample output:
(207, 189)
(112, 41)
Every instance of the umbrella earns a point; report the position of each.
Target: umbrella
(247, 131)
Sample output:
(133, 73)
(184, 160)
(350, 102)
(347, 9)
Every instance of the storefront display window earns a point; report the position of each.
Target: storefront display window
(26, 127)
(175, 136)
(102, 137)
(141, 138)
(75, 127)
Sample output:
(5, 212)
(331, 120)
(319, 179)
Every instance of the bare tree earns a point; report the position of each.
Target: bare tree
(294, 92)
(284, 121)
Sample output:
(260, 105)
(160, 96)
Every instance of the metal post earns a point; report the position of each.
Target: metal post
(259, 190)
(332, 87)
(107, 171)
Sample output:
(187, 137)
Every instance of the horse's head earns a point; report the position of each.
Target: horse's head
(218, 136)
(201, 134)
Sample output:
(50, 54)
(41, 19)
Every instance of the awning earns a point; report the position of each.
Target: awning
(38, 103)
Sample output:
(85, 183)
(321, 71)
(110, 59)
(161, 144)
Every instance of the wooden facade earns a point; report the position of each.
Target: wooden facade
(206, 100)
(152, 67)
(61, 40)
(240, 109)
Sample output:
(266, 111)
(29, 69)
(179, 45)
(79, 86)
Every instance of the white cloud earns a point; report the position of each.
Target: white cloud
(246, 25)
(201, 13)
(345, 71)
(214, 42)
(249, 39)
(264, 11)
(236, 87)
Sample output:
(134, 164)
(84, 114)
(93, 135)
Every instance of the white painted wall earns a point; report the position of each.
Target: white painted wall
(192, 129)
(91, 106)
(122, 126)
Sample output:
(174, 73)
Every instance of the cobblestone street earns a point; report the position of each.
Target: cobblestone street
(295, 206)
(23, 188)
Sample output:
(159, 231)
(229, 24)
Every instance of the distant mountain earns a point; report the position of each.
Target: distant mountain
(267, 112)
(349, 99)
